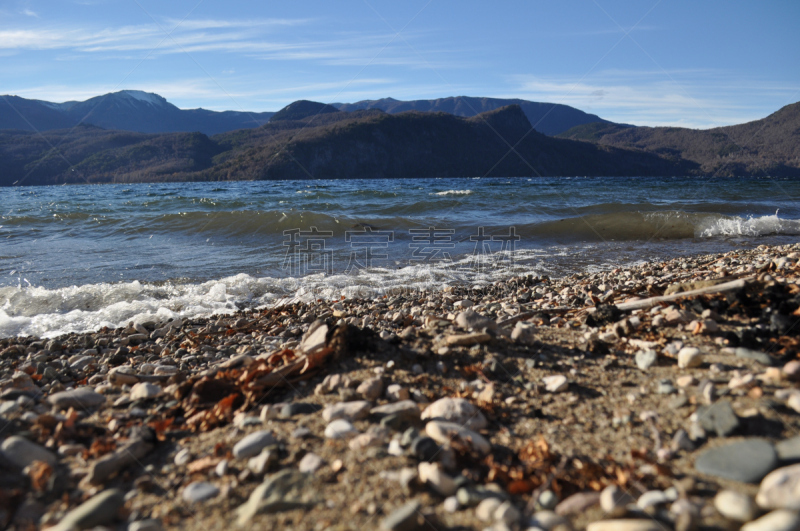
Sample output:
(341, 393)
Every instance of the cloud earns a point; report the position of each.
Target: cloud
(29, 13)
(682, 98)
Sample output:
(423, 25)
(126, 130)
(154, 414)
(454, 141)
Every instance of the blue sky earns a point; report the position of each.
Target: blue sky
(647, 62)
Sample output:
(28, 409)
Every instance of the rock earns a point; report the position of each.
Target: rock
(263, 462)
(310, 463)
(340, 429)
(23, 452)
(404, 407)
(146, 525)
(406, 518)
(252, 444)
(614, 500)
(425, 448)
(451, 504)
(98, 510)
(689, 357)
(200, 491)
(355, 410)
(314, 339)
(652, 498)
(556, 383)
(467, 340)
(626, 525)
(792, 370)
(108, 465)
(719, 418)
(735, 506)
(182, 457)
(298, 408)
(456, 410)
(283, 491)
(646, 359)
(81, 398)
(145, 391)
(780, 489)
(456, 435)
(396, 392)
(789, 450)
(222, 468)
(755, 355)
(747, 460)
(547, 500)
(486, 508)
(577, 503)
(431, 474)
(782, 520)
(548, 520)
(371, 389)
(470, 320)
(507, 513)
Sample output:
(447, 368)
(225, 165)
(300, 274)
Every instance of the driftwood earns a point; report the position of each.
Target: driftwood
(652, 301)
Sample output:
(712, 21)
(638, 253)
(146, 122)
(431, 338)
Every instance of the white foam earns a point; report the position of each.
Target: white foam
(453, 192)
(751, 226)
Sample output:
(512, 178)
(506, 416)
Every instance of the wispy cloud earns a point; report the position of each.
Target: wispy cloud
(682, 98)
(29, 13)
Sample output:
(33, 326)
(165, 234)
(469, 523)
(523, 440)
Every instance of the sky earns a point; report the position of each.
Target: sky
(644, 62)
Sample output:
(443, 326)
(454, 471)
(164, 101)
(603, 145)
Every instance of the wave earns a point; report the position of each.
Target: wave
(453, 192)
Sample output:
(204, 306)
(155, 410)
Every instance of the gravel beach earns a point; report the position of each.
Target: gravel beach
(657, 397)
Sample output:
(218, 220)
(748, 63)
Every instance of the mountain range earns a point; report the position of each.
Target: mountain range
(143, 112)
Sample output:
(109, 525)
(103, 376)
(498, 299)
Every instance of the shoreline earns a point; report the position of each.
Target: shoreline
(564, 394)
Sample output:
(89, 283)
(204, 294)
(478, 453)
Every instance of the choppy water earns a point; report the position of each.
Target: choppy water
(81, 257)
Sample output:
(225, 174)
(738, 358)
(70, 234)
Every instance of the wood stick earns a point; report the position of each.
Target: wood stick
(652, 301)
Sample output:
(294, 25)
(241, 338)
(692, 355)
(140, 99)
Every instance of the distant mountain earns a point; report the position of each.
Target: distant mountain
(302, 109)
(323, 144)
(128, 110)
(770, 146)
(548, 118)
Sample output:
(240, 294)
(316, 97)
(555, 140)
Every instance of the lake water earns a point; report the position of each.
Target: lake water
(77, 258)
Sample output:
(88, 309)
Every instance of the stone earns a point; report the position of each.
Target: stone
(456, 435)
(689, 357)
(547, 500)
(298, 408)
(150, 524)
(556, 383)
(200, 491)
(467, 340)
(450, 504)
(746, 460)
(23, 452)
(98, 510)
(397, 392)
(626, 525)
(355, 410)
(548, 520)
(614, 500)
(471, 320)
(252, 444)
(507, 513)
(431, 474)
(577, 503)
(735, 506)
(182, 457)
(755, 355)
(645, 359)
(425, 448)
(652, 498)
(310, 462)
(371, 389)
(789, 450)
(405, 518)
(340, 429)
(782, 520)
(780, 489)
(458, 410)
(263, 462)
(404, 406)
(80, 398)
(145, 391)
(285, 490)
(486, 508)
(792, 370)
(719, 418)
(314, 339)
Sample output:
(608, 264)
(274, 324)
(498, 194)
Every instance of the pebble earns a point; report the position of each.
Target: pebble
(547, 500)
(780, 489)
(467, 340)
(626, 525)
(455, 434)
(789, 450)
(340, 429)
(404, 407)
(719, 418)
(252, 444)
(746, 460)
(397, 392)
(145, 391)
(405, 518)
(486, 508)
(613, 500)
(310, 462)
(431, 474)
(81, 398)
(735, 506)
(298, 408)
(577, 503)
(755, 355)
(200, 491)
(146, 525)
(556, 383)
(792, 370)
(507, 513)
(355, 410)
(689, 357)
(548, 520)
(23, 452)
(371, 389)
(182, 457)
(652, 498)
(222, 468)
(96, 511)
(458, 410)
(782, 520)
(425, 448)
(646, 359)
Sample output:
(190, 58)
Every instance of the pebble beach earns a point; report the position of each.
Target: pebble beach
(657, 397)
